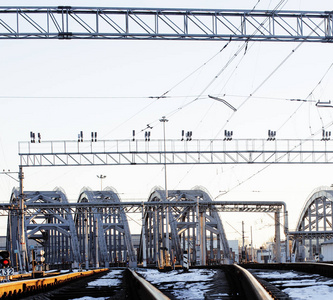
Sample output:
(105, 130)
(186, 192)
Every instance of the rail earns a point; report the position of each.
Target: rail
(143, 289)
(251, 285)
(22, 287)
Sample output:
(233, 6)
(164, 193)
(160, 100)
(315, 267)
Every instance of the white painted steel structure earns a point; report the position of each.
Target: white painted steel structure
(66, 22)
(194, 228)
(103, 232)
(101, 235)
(141, 152)
(314, 224)
(52, 228)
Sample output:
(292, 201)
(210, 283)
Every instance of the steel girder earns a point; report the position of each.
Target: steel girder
(50, 227)
(193, 228)
(315, 222)
(66, 22)
(103, 232)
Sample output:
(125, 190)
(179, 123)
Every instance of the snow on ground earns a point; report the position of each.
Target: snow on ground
(183, 285)
(322, 292)
(90, 298)
(112, 278)
(300, 286)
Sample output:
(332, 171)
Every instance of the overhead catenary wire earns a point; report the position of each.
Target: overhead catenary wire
(244, 45)
(318, 132)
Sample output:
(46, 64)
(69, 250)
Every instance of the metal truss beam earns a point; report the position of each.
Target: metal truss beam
(136, 207)
(140, 152)
(66, 22)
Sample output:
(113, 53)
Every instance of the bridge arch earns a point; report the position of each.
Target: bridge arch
(314, 224)
(50, 229)
(103, 232)
(193, 229)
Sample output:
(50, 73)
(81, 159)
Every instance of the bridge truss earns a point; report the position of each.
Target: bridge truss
(103, 232)
(50, 228)
(66, 22)
(314, 225)
(194, 229)
(98, 234)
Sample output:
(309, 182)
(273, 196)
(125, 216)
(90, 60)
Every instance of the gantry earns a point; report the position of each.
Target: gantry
(67, 22)
(176, 152)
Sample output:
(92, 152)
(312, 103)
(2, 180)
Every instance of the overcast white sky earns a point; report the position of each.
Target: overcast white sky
(123, 70)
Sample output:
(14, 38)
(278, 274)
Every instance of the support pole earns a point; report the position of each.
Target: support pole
(21, 229)
(143, 238)
(86, 246)
(286, 232)
(198, 235)
(96, 245)
(277, 237)
(167, 243)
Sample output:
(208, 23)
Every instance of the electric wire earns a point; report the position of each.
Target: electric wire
(244, 46)
(293, 114)
(241, 48)
(309, 95)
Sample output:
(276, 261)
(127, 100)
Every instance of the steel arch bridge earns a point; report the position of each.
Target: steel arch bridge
(50, 228)
(314, 224)
(195, 230)
(103, 232)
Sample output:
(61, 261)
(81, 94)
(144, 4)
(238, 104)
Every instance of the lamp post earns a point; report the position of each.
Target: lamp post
(164, 120)
(101, 177)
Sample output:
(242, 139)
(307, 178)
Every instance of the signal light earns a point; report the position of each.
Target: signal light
(4, 261)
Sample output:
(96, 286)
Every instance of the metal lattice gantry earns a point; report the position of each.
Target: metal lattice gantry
(50, 228)
(141, 152)
(103, 232)
(314, 225)
(194, 229)
(66, 22)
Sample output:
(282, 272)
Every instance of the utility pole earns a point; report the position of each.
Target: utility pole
(167, 244)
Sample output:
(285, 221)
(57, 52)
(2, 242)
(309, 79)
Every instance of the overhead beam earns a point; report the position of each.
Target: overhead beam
(66, 22)
(135, 206)
(177, 152)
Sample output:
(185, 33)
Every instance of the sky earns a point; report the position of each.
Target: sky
(59, 88)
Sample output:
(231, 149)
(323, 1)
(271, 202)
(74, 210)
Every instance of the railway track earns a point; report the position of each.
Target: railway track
(222, 282)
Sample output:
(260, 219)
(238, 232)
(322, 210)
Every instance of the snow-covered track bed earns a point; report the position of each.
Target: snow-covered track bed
(295, 284)
(223, 282)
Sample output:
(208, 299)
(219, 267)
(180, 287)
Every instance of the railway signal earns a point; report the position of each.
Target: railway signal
(4, 261)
